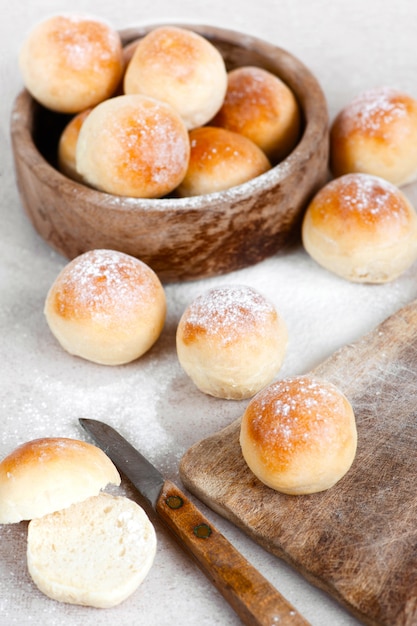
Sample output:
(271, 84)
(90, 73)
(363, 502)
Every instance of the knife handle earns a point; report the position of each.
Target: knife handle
(253, 598)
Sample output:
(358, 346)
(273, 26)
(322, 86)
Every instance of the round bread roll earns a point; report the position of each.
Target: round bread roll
(260, 106)
(47, 474)
(95, 553)
(179, 67)
(67, 146)
(376, 134)
(298, 436)
(106, 306)
(220, 159)
(231, 341)
(133, 146)
(70, 62)
(362, 228)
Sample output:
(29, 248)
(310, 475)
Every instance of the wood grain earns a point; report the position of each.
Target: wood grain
(358, 540)
(253, 598)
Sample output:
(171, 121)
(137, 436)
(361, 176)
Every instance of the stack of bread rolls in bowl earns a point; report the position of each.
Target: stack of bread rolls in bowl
(169, 153)
(229, 224)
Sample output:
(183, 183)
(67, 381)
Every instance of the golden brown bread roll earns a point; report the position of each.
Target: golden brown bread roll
(106, 306)
(231, 341)
(362, 228)
(179, 67)
(133, 146)
(51, 473)
(71, 62)
(220, 159)
(376, 134)
(67, 146)
(260, 106)
(298, 436)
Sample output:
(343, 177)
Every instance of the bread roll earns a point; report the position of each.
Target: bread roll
(44, 475)
(179, 67)
(67, 146)
(231, 341)
(94, 553)
(220, 159)
(133, 146)
(376, 134)
(71, 62)
(362, 228)
(260, 106)
(298, 436)
(106, 306)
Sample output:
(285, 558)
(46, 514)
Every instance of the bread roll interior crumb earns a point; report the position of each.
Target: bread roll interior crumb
(94, 553)
(180, 67)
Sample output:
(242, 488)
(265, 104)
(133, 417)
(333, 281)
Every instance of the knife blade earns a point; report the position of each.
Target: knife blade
(255, 600)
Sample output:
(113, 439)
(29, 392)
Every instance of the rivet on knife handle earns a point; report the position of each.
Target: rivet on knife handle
(253, 598)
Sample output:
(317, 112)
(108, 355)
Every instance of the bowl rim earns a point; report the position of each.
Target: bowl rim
(313, 106)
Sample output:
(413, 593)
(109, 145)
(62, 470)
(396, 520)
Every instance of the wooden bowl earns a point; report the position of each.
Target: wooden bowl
(180, 238)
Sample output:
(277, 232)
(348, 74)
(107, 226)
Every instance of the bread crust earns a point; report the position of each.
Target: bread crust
(67, 146)
(94, 553)
(133, 145)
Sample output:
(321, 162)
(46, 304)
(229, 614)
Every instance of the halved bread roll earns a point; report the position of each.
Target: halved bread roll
(94, 553)
(84, 546)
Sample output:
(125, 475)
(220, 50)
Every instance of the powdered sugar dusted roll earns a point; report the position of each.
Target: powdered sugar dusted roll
(298, 436)
(220, 159)
(106, 306)
(231, 341)
(71, 62)
(362, 228)
(133, 146)
(260, 106)
(179, 67)
(376, 134)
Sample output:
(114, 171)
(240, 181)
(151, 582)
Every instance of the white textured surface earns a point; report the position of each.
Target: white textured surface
(43, 392)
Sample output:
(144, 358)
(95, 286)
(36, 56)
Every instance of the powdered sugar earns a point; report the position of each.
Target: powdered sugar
(368, 195)
(374, 110)
(88, 44)
(294, 410)
(102, 281)
(227, 311)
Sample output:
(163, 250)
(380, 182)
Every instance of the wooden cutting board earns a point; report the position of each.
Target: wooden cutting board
(358, 540)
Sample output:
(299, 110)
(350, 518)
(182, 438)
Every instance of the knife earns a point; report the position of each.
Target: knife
(253, 598)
